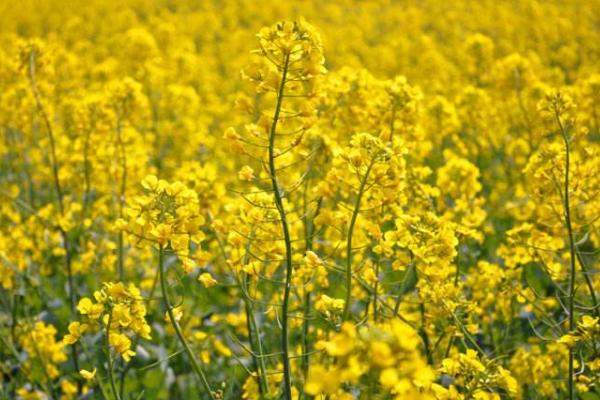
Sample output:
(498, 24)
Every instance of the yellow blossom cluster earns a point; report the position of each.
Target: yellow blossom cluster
(117, 310)
(388, 354)
(228, 199)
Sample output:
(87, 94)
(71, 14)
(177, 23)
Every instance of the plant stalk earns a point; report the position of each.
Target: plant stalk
(175, 324)
(287, 378)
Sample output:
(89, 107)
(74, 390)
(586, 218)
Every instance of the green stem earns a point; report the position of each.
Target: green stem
(44, 114)
(253, 329)
(305, 331)
(567, 210)
(86, 175)
(355, 212)
(392, 123)
(59, 196)
(111, 375)
(526, 118)
(175, 324)
(258, 364)
(14, 314)
(127, 366)
(405, 282)
(123, 186)
(588, 281)
(308, 237)
(457, 274)
(423, 332)
(287, 378)
(376, 288)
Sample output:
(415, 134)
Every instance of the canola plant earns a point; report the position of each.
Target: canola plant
(236, 199)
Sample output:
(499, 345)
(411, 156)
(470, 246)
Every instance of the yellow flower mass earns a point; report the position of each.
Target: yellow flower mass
(328, 200)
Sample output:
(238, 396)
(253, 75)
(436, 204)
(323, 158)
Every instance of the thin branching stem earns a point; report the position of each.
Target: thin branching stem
(163, 286)
(122, 188)
(277, 192)
(567, 215)
(111, 375)
(588, 281)
(349, 237)
(59, 197)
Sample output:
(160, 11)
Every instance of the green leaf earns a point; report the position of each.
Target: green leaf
(153, 379)
(537, 278)
(409, 280)
(589, 396)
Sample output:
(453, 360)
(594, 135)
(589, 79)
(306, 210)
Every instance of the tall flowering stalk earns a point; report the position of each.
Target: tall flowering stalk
(119, 312)
(288, 69)
(169, 217)
(558, 105)
(30, 55)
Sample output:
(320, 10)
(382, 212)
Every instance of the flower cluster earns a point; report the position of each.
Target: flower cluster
(386, 353)
(168, 215)
(475, 377)
(39, 341)
(119, 311)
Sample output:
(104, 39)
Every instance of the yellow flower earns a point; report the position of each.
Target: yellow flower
(68, 389)
(87, 307)
(76, 329)
(312, 259)
(221, 348)
(161, 233)
(207, 280)
(321, 380)
(588, 322)
(177, 314)
(117, 291)
(150, 182)
(121, 344)
(87, 375)
(24, 394)
(370, 276)
(568, 339)
(39, 341)
(246, 173)
(388, 377)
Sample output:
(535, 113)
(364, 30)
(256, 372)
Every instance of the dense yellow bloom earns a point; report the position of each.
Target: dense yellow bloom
(87, 307)
(263, 200)
(330, 307)
(119, 309)
(478, 376)
(40, 344)
(168, 215)
(390, 351)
